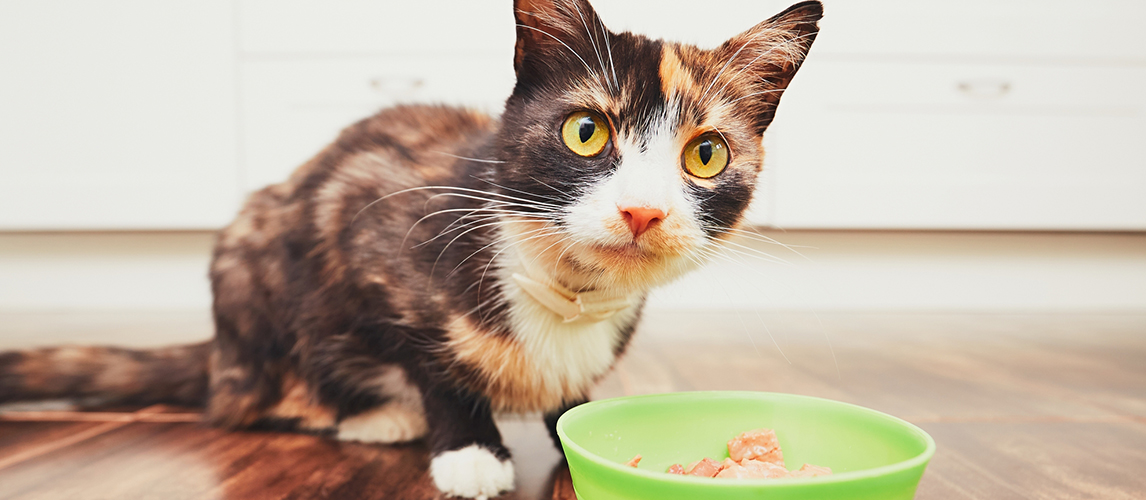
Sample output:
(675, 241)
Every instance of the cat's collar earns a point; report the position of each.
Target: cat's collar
(591, 306)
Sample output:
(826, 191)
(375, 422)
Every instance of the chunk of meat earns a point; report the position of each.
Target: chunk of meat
(754, 469)
(735, 471)
(760, 444)
(809, 470)
(766, 470)
(704, 468)
(751, 455)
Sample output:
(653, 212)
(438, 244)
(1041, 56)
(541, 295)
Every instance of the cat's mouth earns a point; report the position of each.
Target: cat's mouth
(630, 251)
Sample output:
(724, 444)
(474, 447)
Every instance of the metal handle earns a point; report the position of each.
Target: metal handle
(392, 86)
(984, 89)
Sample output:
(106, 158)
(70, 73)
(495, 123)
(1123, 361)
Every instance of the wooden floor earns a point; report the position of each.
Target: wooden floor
(1021, 406)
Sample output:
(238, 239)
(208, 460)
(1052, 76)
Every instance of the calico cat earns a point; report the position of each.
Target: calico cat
(435, 265)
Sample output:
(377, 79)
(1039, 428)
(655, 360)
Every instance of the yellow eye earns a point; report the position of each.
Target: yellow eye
(585, 133)
(705, 156)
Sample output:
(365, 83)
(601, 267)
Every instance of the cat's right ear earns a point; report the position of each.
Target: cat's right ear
(553, 33)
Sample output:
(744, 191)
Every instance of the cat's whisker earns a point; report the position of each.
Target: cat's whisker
(495, 242)
(725, 67)
(500, 240)
(402, 245)
(725, 139)
(550, 198)
(571, 244)
(591, 72)
(747, 332)
(756, 310)
(546, 249)
(454, 226)
(565, 196)
(495, 214)
(491, 224)
(593, 42)
(757, 236)
(755, 94)
(507, 247)
(609, 50)
(521, 202)
(478, 283)
(752, 252)
(785, 46)
(424, 188)
(479, 160)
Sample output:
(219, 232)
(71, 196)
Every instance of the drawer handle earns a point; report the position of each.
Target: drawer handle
(984, 89)
(391, 86)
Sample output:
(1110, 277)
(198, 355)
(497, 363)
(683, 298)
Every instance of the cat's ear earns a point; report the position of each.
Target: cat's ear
(553, 33)
(769, 54)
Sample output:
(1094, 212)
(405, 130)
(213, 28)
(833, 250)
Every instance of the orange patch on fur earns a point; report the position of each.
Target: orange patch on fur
(298, 402)
(675, 78)
(508, 377)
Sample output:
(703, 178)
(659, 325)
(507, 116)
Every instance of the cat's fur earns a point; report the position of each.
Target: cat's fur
(371, 295)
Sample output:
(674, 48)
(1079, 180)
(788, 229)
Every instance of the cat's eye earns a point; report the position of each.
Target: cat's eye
(585, 133)
(706, 156)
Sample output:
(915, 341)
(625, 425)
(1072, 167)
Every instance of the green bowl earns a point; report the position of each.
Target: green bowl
(873, 456)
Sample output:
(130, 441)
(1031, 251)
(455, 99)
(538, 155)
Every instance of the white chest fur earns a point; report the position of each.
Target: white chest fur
(538, 362)
(570, 356)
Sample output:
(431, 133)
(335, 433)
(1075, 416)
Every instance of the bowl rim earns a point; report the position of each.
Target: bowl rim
(883, 470)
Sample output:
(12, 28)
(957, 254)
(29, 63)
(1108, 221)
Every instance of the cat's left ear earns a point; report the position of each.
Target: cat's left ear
(553, 34)
(768, 55)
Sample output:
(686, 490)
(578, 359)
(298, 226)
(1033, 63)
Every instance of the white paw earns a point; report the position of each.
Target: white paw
(471, 472)
(390, 423)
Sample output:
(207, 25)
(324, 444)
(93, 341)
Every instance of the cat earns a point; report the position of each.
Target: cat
(435, 265)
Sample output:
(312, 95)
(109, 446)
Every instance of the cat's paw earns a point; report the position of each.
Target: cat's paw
(390, 423)
(471, 472)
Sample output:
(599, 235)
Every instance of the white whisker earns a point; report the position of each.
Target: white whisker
(591, 72)
(467, 158)
(593, 42)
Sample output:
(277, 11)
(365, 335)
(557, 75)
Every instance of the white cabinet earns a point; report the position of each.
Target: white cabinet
(962, 146)
(335, 29)
(293, 108)
(117, 114)
(979, 114)
(909, 114)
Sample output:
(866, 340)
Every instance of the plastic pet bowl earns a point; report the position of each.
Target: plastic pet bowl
(873, 456)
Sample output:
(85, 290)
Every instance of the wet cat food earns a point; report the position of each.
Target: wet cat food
(753, 454)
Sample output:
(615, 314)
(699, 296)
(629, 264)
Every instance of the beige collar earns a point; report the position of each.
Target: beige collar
(591, 306)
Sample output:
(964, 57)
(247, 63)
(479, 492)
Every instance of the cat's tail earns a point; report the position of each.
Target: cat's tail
(107, 375)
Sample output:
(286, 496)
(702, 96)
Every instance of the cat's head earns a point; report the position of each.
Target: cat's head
(632, 156)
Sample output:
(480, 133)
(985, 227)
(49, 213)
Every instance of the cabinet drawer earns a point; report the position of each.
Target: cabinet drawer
(292, 109)
(864, 145)
(376, 27)
(1067, 30)
(1073, 30)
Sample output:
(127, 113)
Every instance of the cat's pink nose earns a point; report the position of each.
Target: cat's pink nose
(640, 219)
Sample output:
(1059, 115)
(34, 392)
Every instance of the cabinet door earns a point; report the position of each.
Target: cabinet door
(117, 114)
(293, 108)
(962, 146)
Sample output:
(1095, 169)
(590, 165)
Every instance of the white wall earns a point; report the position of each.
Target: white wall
(908, 114)
(152, 270)
(840, 270)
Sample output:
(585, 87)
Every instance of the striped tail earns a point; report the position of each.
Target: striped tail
(107, 375)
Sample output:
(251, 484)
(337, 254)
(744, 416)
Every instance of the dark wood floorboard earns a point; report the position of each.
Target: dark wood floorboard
(1022, 406)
